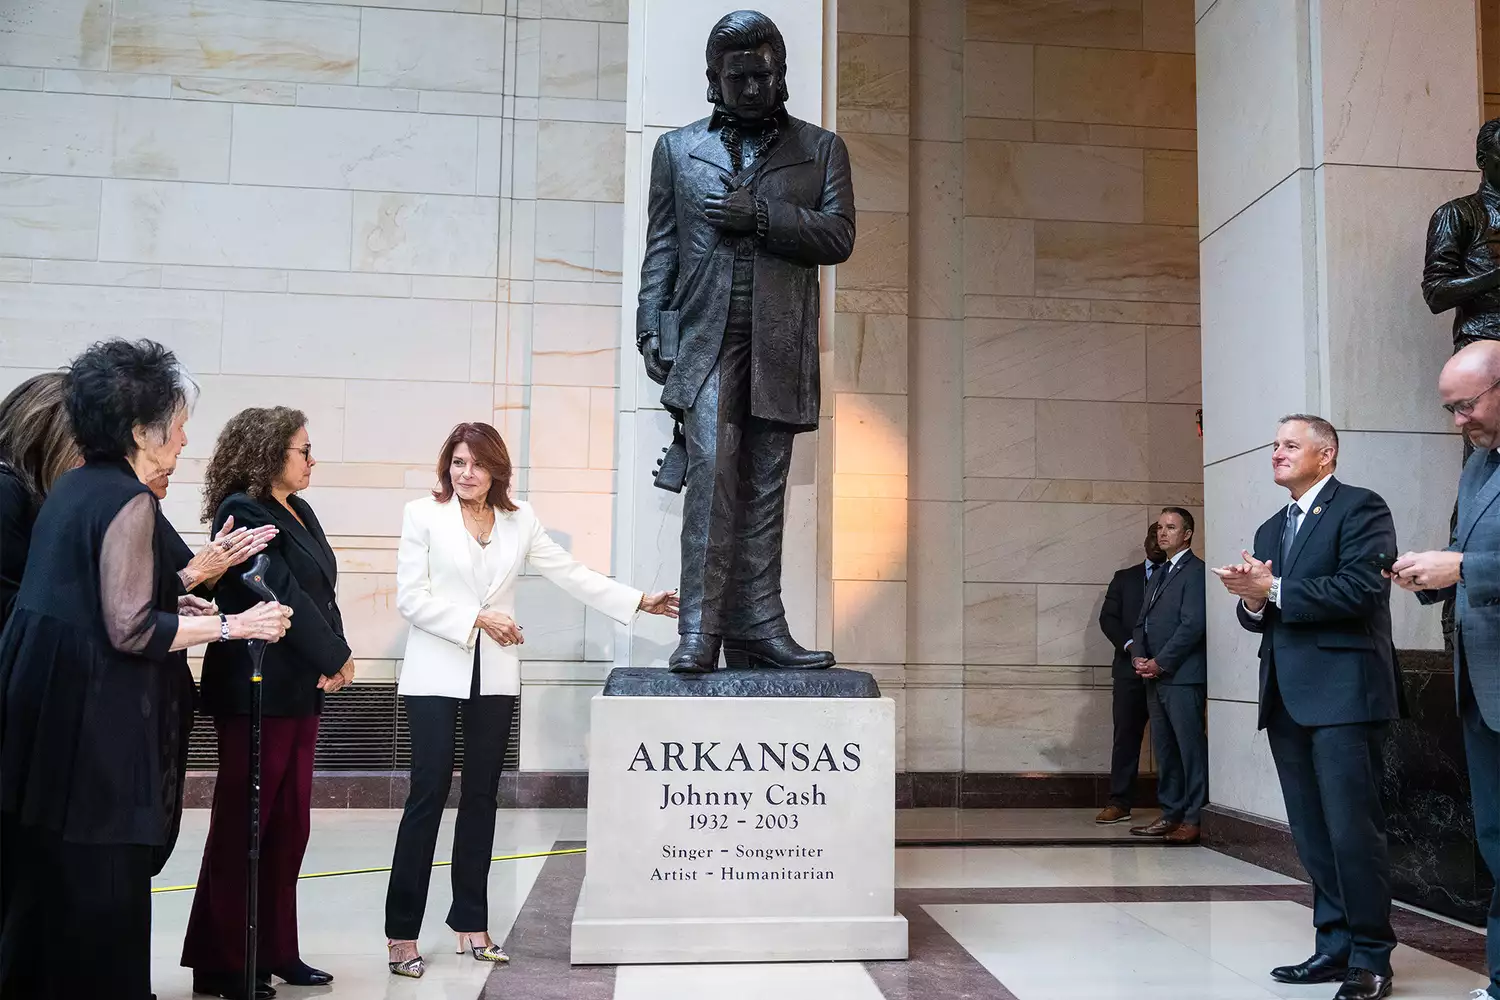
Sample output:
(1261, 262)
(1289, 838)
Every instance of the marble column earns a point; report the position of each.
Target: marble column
(865, 386)
(1327, 132)
(666, 89)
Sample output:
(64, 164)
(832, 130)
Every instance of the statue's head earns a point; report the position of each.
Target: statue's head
(747, 65)
(1487, 151)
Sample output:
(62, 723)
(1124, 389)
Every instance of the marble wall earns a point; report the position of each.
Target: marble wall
(1329, 134)
(1016, 366)
(395, 215)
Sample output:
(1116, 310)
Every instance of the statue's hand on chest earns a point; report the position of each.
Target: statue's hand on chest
(730, 211)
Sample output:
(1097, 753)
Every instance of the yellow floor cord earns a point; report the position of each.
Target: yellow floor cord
(373, 871)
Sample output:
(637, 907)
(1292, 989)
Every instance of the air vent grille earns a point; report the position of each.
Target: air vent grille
(364, 728)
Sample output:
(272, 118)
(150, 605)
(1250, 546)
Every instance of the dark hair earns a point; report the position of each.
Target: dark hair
(489, 453)
(738, 31)
(250, 454)
(1187, 517)
(1488, 139)
(1321, 429)
(36, 436)
(119, 385)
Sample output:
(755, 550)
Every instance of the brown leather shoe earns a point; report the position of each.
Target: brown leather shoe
(1187, 833)
(1156, 828)
(1112, 814)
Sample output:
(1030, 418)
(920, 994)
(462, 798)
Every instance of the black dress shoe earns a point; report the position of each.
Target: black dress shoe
(1362, 984)
(299, 973)
(1318, 969)
(697, 653)
(780, 652)
(229, 987)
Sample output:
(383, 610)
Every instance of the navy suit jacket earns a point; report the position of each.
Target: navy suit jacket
(1172, 624)
(1330, 640)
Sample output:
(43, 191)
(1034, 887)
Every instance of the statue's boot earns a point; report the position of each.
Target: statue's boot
(780, 652)
(697, 653)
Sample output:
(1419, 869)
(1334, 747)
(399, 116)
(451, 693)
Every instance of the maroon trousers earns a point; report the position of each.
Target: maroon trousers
(216, 930)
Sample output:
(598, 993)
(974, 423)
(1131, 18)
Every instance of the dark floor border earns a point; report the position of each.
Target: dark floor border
(570, 790)
(1262, 842)
(540, 941)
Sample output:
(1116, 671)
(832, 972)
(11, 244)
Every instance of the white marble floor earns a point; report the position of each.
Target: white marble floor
(1167, 951)
(790, 981)
(1038, 867)
(1043, 950)
(1041, 825)
(341, 919)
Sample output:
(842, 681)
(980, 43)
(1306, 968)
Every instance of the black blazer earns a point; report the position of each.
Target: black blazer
(1330, 640)
(1121, 610)
(1177, 637)
(304, 576)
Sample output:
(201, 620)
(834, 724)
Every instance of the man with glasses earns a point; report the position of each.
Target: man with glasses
(1468, 573)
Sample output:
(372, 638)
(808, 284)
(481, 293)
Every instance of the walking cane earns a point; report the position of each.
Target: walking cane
(255, 580)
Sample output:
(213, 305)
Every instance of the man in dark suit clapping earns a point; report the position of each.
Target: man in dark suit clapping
(1117, 618)
(1469, 572)
(1328, 689)
(1169, 653)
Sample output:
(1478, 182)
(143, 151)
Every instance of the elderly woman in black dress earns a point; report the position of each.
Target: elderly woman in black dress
(95, 698)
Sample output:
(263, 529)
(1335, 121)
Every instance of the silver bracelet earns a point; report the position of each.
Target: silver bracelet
(223, 628)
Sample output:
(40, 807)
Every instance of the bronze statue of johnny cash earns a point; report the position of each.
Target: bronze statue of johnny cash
(744, 206)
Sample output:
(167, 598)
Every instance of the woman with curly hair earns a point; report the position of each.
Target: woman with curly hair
(95, 692)
(36, 447)
(262, 460)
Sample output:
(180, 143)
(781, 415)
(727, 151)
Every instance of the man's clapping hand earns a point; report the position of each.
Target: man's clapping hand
(1249, 580)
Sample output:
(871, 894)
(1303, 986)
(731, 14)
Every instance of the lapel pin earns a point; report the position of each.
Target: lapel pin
(1317, 510)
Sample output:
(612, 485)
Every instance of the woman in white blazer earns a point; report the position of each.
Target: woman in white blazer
(461, 552)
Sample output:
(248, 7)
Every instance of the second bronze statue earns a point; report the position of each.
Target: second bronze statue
(745, 205)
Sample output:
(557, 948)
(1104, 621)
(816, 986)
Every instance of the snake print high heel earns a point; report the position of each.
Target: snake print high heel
(481, 952)
(411, 968)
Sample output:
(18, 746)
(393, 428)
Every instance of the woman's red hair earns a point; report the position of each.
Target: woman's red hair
(489, 451)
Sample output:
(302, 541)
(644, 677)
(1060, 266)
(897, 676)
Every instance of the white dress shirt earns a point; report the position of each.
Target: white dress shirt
(1304, 503)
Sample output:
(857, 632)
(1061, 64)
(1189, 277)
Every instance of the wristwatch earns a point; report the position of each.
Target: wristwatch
(1274, 596)
(223, 628)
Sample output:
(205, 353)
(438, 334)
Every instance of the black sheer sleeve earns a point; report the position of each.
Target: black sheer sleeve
(127, 583)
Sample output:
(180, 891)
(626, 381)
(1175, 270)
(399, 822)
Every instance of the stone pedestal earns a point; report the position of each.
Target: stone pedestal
(740, 829)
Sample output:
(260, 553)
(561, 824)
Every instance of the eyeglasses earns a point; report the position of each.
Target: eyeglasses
(305, 451)
(1465, 407)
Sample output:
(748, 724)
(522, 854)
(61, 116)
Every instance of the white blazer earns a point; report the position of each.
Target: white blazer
(437, 594)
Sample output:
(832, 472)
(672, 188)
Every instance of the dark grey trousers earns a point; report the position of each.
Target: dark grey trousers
(1482, 746)
(1330, 779)
(735, 506)
(1181, 744)
(1130, 715)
